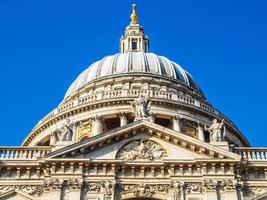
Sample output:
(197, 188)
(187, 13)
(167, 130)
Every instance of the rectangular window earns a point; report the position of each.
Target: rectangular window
(134, 45)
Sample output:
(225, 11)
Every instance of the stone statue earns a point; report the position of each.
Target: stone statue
(141, 107)
(63, 133)
(215, 131)
(68, 135)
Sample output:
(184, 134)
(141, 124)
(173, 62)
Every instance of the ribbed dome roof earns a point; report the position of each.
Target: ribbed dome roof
(133, 63)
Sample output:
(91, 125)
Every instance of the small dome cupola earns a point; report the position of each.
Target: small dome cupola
(134, 39)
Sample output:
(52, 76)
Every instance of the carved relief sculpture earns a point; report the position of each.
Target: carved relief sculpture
(104, 186)
(146, 150)
(63, 133)
(193, 187)
(210, 185)
(144, 190)
(253, 191)
(176, 189)
(34, 190)
(84, 130)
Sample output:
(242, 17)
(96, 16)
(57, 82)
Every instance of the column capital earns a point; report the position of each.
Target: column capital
(97, 117)
(177, 117)
(123, 114)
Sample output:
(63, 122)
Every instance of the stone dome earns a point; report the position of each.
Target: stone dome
(133, 63)
(103, 98)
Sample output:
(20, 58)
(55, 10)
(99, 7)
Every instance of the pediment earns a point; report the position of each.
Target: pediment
(158, 142)
(15, 195)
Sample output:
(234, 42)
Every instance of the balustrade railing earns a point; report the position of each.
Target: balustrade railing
(23, 153)
(166, 95)
(251, 154)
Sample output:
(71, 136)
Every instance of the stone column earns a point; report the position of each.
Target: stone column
(123, 119)
(74, 131)
(152, 117)
(201, 135)
(52, 138)
(97, 125)
(177, 123)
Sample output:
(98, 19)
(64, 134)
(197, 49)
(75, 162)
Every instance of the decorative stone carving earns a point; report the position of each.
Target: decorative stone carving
(141, 107)
(84, 129)
(107, 187)
(96, 186)
(215, 131)
(53, 184)
(210, 185)
(75, 184)
(144, 150)
(144, 190)
(189, 127)
(176, 189)
(253, 191)
(229, 185)
(34, 190)
(194, 187)
(104, 186)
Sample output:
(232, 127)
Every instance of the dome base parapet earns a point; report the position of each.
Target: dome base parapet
(163, 103)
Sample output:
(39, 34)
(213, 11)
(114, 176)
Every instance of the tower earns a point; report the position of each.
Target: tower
(134, 38)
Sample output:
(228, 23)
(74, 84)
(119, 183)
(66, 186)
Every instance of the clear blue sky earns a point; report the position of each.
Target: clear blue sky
(45, 44)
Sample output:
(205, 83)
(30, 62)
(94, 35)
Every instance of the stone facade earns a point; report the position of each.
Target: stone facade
(144, 133)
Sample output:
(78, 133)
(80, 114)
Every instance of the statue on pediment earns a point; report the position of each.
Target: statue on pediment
(63, 133)
(141, 107)
(215, 131)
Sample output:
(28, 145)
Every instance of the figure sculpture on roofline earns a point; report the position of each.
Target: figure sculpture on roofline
(215, 131)
(141, 107)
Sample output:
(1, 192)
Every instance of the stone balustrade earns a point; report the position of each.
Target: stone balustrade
(130, 93)
(133, 93)
(251, 154)
(23, 153)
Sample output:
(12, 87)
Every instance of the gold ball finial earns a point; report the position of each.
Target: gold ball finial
(134, 16)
